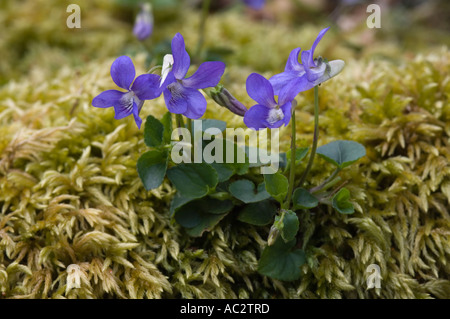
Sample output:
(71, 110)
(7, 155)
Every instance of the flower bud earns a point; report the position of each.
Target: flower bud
(273, 235)
(224, 98)
(143, 27)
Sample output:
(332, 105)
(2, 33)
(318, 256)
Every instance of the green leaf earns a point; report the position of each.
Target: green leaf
(303, 199)
(244, 190)
(238, 159)
(342, 153)
(282, 261)
(232, 159)
(290, 226)
(202, 214)
(167, 123)
(341, 202)
(151, 167)
(276, 185)
(153, 132)
(193, 180)
(256, 161)
(207, 223)
(177, 201)
(259, 214)
(300, 154)
(224, 171)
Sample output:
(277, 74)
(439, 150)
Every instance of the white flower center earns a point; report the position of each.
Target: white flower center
(166, 67)
(127, 101)
(274, 116)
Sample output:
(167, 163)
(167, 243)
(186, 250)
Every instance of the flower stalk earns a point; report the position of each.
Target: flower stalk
(315, 137)
(201, 31)
(292, 163)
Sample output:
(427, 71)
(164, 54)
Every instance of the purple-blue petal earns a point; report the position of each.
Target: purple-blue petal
(196, 104)
(289, 91)
(123, 109)
(174, 99)
(287, 111)
(147, 86)
(255, 4)
(292, 63)
(207, 75)
(181, 59)
(169, 80)
(260, 90)
(313, 73)
(137, 119)
(256, 117)
(311, 62)
(122, 72)
(107, 98)
(143, 27)
(279, 81)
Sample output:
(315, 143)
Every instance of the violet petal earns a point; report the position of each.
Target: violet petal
(256, 117)
(107, 98)
(260, 90)
(147, 86)
(181, 58)
(122, 72)
(207, 75)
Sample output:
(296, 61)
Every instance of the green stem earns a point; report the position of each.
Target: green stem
(179, 121)
(315, 138)
(325, 185)
(152, 69)
(191, 131)
(292, 163)
(189, 125)
(201, 30)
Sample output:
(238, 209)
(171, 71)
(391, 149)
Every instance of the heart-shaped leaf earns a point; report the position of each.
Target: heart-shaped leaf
(276, 185)
(282, 261)
(260, 213)
(300, 154)
(341, 202)
(202, 214)
(151, 168)
(193, 180)
(303, 199)
(227, 157)
(224, 171)
(290, 225)
(255, 155)
(166, 121)
(153, 132)
(244, 190)
(178, 200)
(342, 153)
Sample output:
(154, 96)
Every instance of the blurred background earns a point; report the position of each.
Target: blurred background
(35, 38)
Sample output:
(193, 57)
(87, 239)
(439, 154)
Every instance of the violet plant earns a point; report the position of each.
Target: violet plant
(207, 191)
(143, 26)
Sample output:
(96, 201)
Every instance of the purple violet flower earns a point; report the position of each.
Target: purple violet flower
(143, 26)
(309, 74)
(144, 87)
(180, 94)
(255, 4)
(268, 113)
